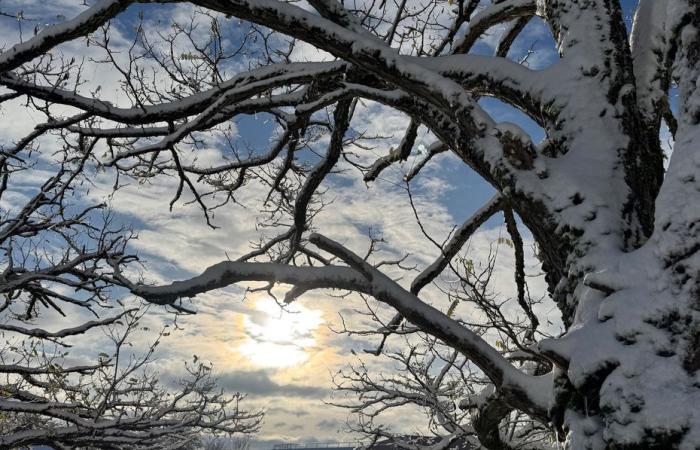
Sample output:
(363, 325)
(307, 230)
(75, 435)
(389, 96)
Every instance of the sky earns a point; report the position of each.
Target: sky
(285, 360)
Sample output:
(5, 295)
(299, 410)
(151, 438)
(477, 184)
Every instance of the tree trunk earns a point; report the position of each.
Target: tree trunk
(632, 354)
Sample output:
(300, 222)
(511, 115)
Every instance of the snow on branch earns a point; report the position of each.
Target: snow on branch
(492, 15)
(360, 49)
(227, 273)
(494, 76)
(243, 85)
(51, 36)
(23, 370)
(650, 46)
(524, 391)
(72, 331)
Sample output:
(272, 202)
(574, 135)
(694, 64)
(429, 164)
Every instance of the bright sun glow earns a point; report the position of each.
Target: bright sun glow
(278, 338)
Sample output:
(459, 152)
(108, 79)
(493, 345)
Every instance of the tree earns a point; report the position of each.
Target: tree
(116, 402)
(429, 378)
(57, 255)
(617, 235)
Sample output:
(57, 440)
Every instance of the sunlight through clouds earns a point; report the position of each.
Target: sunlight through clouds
(279, 338)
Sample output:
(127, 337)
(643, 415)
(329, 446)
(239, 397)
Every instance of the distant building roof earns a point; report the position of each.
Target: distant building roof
(457, 444)
(318, 446)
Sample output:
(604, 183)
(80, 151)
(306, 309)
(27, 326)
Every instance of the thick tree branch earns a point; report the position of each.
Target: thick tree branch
(521, 389)
(320, 171)
(516, 386)
(492, 15)
(243, 85)
(81, 25)
(80, 329)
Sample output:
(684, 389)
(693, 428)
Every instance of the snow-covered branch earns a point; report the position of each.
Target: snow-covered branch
(242, 86)
(494, 14)
(79, 26)
(650, 46)
(523, 391)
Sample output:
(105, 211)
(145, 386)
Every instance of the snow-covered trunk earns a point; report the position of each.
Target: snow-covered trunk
(604, 167)
(676, 239)
(630, 288)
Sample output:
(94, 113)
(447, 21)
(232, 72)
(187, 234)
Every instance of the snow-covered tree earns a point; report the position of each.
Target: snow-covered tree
(617, 234)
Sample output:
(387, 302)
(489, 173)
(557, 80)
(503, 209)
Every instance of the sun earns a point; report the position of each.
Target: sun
(279, 338)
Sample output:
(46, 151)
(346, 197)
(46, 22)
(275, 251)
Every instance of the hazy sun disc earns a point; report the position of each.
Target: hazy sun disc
(277, 338)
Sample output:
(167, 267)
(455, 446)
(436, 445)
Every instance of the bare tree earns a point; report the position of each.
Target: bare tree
(617, 236)
(116, 401)
(456, 400)
(58, 250)
(425, 376)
